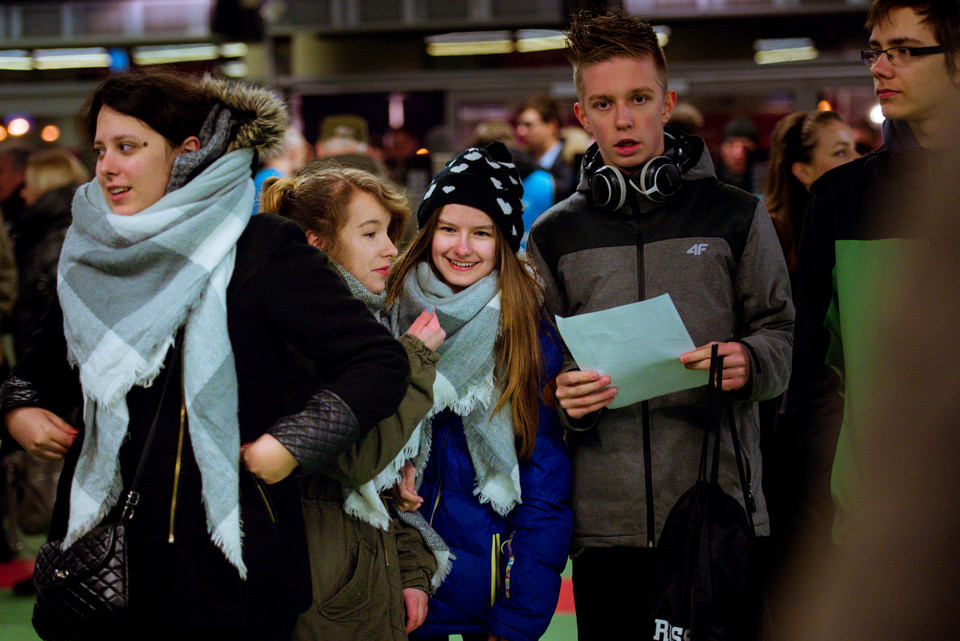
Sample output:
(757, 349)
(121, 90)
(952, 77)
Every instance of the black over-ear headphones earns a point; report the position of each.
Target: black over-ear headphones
(658, 180)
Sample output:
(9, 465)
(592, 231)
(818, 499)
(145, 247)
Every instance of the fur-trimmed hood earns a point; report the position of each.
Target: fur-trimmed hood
(261, 114)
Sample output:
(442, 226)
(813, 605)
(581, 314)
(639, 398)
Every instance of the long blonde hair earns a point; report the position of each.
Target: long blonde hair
(517, 350)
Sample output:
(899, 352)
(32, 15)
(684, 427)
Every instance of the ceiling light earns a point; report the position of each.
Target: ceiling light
(540, 40)
(17, 60)
(234, 69)
(18, 126)
(471, 43)
(50, 133)
(234, 49)
(663, 35)
(159, 55)
(774, 50)
(71, 58)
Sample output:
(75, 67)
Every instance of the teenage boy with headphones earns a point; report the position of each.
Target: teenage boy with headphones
(852, 245)
(649, 218)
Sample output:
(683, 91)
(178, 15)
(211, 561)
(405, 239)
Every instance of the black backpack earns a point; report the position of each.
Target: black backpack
(699, 593)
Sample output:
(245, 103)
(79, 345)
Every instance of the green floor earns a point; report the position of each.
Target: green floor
(15, 620)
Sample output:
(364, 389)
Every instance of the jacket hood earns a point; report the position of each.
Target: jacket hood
(691, 151)
(261, 114)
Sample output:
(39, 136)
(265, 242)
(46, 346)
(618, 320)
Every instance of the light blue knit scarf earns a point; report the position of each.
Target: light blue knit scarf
(126, 285)
(465, 381)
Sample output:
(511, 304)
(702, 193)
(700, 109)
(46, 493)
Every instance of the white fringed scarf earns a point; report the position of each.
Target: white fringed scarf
(170, 264)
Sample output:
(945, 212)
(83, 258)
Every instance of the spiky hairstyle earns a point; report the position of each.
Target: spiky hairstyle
(594, 38)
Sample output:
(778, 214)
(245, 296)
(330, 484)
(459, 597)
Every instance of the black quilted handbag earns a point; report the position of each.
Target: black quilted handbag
(83, 590)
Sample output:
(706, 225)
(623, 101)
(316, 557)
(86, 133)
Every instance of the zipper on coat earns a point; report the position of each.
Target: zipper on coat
(267, 503)
(436, 501)
(383, 545)
(171, 537)
(509, 568)
(648, 474)
(645, 406)
(494, 568)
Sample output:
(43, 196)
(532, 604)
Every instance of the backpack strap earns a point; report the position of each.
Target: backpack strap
(715, 407)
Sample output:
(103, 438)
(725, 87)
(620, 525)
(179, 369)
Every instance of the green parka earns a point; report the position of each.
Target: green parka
(358, 570)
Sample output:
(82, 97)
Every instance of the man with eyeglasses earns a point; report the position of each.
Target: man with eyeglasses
(854, 240)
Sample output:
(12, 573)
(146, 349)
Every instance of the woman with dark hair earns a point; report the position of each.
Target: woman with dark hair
(804, 145)
(232, 334)
(495, 477)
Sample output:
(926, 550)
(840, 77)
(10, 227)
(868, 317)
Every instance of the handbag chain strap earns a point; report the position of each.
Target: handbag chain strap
(133, 496)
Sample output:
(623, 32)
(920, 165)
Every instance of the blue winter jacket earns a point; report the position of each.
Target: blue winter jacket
(506, 577)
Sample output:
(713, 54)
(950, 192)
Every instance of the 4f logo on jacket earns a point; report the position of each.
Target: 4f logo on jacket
(697, 248)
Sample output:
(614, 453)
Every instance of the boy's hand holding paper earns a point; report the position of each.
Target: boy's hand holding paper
(636, 346)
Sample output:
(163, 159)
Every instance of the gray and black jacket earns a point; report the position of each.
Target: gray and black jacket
(713, 248)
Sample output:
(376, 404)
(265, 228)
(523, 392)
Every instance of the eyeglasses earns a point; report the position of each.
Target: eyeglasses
(898, 55)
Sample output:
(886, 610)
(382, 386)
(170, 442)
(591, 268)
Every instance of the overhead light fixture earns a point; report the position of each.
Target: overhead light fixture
(540, 40)
(234, 69)
(663, 34)
(90, 57)
(470, 43)
(234, 49)
(166, 54)
(16, 60)
(876, 115)
(18, 126)
(50, 133)
(775, 50)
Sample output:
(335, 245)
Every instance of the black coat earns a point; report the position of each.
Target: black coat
(40, 234)
(294, 327)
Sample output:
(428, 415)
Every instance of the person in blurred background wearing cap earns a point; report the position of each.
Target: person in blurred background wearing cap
(733, 161)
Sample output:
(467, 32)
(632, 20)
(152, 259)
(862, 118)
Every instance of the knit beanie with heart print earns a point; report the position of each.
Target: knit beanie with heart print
(485, 179)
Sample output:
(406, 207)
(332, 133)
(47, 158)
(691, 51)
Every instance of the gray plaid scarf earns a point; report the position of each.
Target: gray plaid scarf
(364, 502)
(465, 380)
(126, 285)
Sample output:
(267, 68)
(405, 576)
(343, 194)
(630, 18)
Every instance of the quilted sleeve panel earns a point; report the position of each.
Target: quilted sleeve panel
(318, 433)
(16, 392)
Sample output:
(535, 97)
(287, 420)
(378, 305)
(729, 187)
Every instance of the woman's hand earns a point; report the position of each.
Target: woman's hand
(269, 461)
(415, 603)
(41, 432)
(427, 329)
(405, 493)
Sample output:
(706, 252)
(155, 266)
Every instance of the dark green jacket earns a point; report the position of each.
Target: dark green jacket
(359, 571)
